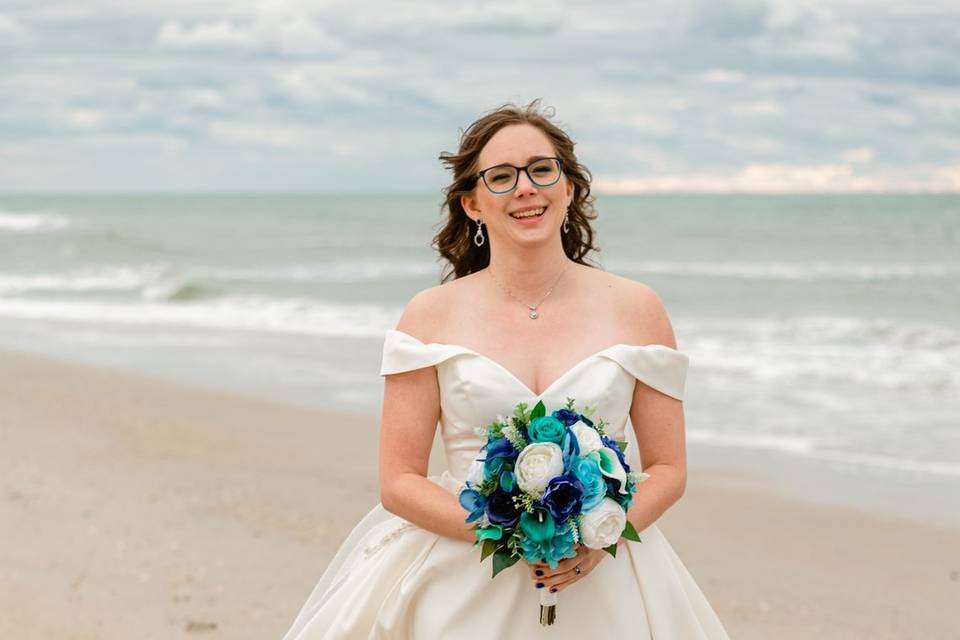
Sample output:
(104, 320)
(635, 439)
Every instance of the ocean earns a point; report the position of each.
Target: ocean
(823, 330)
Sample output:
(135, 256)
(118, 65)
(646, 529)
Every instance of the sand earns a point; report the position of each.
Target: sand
(132, 507)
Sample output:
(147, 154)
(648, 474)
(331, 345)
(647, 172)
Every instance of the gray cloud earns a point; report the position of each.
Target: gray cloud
(305, 95)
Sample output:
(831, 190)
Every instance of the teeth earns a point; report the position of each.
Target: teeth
(528, 214)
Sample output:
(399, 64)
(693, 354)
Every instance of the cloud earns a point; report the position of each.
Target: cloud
(723, 76)
(84, 118)
(9, 26)
(786, 178)
(307, 94)
(293, 36)
(860, 155)
(267, 134)
(759, 108)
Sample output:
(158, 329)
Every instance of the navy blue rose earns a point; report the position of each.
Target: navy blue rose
(566, 416)
(563, 497)
(608, 442)
(500, 448)
(500, 508)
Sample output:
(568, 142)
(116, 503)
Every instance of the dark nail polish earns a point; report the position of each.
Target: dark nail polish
(539, 585)
(554, 590)
(539, 573)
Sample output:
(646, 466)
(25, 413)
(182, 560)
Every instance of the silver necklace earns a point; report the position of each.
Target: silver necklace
(534, 314)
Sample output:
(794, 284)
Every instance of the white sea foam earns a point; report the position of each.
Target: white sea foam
(805, 271)
(162, 282)
(11, 221)
(107, 279)
(786, 444)
(825, 349)
(286, 315)
(340, 271)
(808, 447)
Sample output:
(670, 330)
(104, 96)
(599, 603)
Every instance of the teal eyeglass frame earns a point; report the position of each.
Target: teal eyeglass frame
(481, 175)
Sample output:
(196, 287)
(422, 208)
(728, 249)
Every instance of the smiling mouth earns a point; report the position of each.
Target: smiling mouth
(533, 213)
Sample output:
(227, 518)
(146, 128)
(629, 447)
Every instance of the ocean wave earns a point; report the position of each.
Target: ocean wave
(890, 354)
(154, 282)
(33, 222)
(111, 279)
(806, 271)
(163, 282)
(284, 315)
(808, 448)
(341, 271)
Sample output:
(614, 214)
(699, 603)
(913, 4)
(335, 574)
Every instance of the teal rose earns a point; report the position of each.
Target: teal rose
(594, 485)
(546, 429)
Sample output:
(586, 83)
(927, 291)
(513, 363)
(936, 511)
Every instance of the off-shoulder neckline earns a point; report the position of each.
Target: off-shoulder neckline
(556, 382)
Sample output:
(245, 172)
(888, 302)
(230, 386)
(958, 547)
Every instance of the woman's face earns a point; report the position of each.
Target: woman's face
(519, 145)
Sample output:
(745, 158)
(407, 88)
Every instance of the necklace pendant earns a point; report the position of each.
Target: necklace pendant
(533, 314)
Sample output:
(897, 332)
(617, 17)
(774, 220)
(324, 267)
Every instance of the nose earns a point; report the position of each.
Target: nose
(524, 184)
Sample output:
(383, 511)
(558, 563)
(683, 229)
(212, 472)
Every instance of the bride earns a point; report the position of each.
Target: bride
(524, 318)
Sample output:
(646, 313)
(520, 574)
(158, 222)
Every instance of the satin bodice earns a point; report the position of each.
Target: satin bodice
(475, 390)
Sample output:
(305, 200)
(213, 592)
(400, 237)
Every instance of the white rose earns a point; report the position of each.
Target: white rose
(601, 526)
(475, 475)
(587, 437)
(537, 465)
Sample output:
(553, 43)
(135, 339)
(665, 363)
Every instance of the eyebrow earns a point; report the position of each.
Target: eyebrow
(529, 159)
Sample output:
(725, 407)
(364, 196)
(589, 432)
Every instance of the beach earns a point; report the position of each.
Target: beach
(134, 506)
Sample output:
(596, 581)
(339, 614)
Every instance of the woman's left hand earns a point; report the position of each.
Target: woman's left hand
(566, 574)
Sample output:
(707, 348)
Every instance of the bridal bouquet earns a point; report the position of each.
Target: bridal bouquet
(545, 483)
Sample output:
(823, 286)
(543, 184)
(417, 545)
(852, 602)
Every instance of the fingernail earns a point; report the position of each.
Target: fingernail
(539, 573)
(539, 585)
(554, 590)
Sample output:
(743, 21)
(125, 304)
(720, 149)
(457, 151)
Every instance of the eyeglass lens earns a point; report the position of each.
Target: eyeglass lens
(543, 173)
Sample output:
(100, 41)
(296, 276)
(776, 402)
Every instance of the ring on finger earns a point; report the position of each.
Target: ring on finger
(577, 569)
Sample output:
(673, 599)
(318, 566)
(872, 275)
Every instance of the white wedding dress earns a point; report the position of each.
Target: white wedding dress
(392, 579)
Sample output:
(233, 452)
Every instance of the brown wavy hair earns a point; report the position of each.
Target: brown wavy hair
(455, 241)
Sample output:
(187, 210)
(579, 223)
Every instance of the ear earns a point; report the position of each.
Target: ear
(469, 204)
(570, 189)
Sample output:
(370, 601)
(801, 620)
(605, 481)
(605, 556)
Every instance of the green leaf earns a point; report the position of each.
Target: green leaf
(612, 549)
(538, 410)
(623, 445)
(489, 546)
(630, 533)
(501, 561)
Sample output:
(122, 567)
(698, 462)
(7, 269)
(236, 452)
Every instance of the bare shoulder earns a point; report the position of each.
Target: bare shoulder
(426, 313)
(642, 311)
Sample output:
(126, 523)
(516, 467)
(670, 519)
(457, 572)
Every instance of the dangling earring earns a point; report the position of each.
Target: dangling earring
(566, 220)
(478, 238)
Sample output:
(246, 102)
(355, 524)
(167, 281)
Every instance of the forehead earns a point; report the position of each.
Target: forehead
(515, 144)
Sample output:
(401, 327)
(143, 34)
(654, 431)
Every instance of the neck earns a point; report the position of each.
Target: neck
(529, 274)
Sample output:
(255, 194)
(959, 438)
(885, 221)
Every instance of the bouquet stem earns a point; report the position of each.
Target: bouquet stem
(548, 608)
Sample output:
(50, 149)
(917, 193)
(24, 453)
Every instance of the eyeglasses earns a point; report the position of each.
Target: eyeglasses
(503, 177)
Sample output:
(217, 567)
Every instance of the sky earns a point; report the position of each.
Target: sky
(281, 96)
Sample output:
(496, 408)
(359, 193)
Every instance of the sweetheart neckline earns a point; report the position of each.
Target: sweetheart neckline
(520, 382)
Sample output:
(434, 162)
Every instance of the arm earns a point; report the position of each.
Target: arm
(658, 423)
(411, 410)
